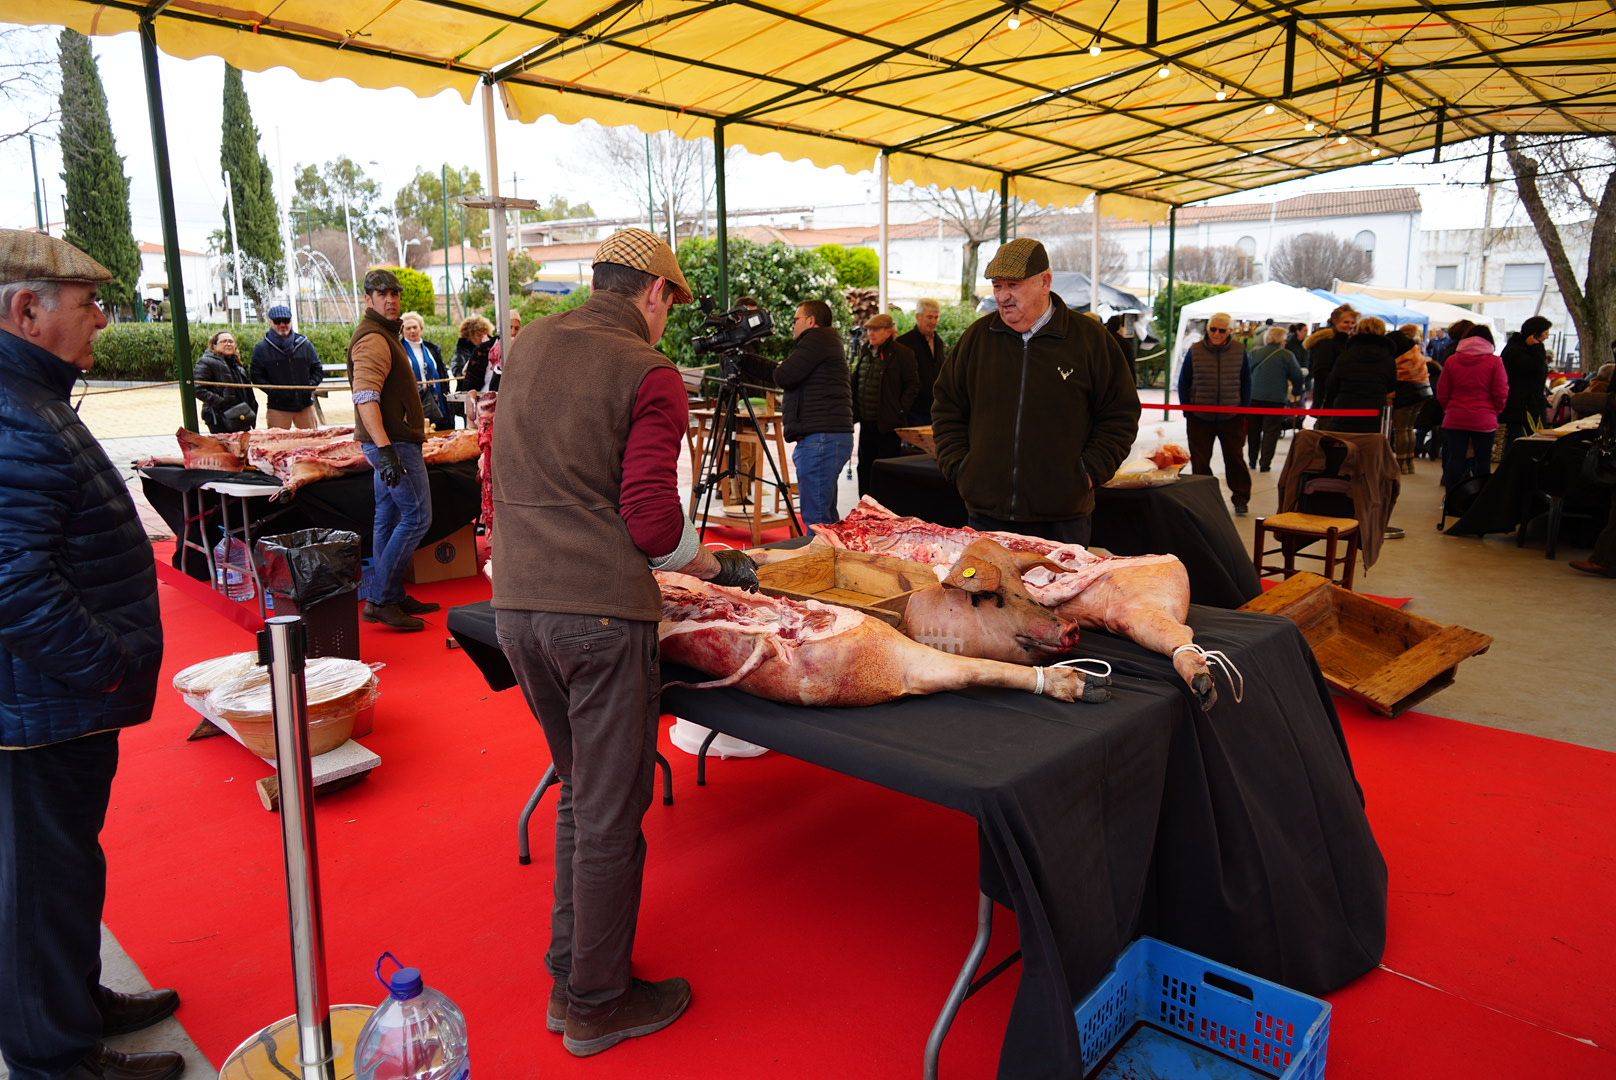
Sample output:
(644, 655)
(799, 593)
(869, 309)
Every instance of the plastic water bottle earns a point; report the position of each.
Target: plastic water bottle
(233, 559)
(416, 1034)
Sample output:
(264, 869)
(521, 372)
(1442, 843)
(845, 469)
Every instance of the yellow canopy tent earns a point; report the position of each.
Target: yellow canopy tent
(1155, 103)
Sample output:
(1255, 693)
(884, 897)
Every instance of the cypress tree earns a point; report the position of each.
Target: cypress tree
(257, 216)
(97, 189)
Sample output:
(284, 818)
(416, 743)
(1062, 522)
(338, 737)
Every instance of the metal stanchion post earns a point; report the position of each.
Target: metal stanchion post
(316, 1042)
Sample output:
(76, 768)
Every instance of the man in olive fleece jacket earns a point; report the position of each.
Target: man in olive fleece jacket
(1034, 408)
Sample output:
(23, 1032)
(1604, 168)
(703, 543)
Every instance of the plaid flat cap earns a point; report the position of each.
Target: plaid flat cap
(1018, 259)
(646, 252)
(26, 255)
(382, 281)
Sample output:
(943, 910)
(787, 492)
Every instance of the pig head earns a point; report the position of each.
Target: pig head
(981, 609)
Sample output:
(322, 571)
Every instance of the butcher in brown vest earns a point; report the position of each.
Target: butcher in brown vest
(390, 427)
(592, 420)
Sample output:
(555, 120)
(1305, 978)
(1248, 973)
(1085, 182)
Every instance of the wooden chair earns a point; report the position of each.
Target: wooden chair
(1296, 531)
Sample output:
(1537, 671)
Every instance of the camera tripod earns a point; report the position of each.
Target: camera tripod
(720, 459)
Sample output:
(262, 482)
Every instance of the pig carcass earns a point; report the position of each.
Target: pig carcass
(299, 456)
(807, 653)
(1144, 598)
(982, 609)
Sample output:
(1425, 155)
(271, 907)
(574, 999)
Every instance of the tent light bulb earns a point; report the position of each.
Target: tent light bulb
(1163, 71)
(1341, 140)
(1268, 110)
(1223, 94)
(1014, 21)
(1309, 126)
(1374, 151)
(1094, 50)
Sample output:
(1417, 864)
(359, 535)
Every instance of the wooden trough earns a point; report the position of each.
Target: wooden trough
(852, 579)
(1386, 658)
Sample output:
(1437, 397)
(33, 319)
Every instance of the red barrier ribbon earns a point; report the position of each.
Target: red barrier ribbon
(1248, 410)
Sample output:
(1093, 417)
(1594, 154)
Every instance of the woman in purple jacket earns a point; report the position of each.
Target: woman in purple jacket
(1473, 389)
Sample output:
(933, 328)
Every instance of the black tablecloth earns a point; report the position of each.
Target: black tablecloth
(1508, 496)
(1239, 834)
(1186, 518)
(337, 502)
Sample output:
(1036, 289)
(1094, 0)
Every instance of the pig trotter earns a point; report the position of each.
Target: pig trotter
(1095, 693)
(1205, 690)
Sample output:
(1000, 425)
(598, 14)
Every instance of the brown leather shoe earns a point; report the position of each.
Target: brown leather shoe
(105, 1064)
(555, 1020)
(644, 1008)
(1588, 566)
(123, 1013)
(391, 615)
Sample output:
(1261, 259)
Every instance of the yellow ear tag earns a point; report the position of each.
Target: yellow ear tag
(969, 571)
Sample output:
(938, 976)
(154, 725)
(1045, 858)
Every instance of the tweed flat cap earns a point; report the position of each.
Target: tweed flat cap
(880, 322)
(648, 253)
(382, 281)
(1018, 259)
(26, 255)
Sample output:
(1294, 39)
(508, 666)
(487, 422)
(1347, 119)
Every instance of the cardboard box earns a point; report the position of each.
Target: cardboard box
(452, 557)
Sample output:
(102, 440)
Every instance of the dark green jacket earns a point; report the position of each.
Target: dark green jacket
(1025, 432)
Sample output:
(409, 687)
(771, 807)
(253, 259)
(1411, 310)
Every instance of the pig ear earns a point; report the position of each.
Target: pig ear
(973, 575)
(1026, 560)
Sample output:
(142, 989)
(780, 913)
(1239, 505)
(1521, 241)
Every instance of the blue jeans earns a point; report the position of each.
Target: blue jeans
(819, 459)
(403, 515)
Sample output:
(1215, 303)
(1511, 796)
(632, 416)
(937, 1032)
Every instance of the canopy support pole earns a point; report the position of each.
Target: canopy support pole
(1094, 259)
(1374, 110)
(171, 232)
(448, 292)
(1004, 208)
(886, 232)
(722, 198)
(1441, 122)
(502, 299)
(1150, 23)
(1172, 315)
(1290, 56)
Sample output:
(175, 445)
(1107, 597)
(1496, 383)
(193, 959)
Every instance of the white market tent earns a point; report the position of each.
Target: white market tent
(1269, 300)
(1445, 315)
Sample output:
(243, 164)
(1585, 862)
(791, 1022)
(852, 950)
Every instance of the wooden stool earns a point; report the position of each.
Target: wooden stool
(1295, 532)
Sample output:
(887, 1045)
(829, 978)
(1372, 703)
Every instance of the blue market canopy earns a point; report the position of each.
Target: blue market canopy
(1393, 314)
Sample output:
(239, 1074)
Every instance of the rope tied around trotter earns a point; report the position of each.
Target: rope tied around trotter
(1217, 658)
(1077, 663)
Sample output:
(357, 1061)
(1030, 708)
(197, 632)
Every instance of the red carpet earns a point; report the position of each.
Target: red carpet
(820, 919)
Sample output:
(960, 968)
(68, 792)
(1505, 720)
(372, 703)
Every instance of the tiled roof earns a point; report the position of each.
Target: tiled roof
(149, 248)
(1322, 204)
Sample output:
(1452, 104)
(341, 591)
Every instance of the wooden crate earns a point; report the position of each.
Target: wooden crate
(919, 437)
(1386, 658)
(850, 578)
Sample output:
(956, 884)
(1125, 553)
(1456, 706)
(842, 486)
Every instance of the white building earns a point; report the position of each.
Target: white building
(1507, 262)
(197, 271)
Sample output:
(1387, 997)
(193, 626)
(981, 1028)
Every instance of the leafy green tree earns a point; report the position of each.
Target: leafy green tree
(421, 201)
(778, 277)
(856, 267)
(1184, 292)
(97, 189)
(418, 295)
(257, 215)
(321, 192)
(557, 209)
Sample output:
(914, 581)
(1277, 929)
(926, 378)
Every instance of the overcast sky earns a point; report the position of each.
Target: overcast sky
(303, 122)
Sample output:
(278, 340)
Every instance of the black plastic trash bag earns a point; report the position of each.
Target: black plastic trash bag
(310, 565)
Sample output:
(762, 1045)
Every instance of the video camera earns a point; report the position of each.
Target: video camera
(731, 329)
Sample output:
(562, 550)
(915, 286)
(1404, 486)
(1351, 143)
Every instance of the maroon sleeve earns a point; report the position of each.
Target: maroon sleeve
(650, 502)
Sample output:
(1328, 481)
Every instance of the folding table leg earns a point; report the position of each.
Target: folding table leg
(524, 853)
(962, 985)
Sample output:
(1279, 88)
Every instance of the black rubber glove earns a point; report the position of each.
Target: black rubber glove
(390, 467)
(736, 569)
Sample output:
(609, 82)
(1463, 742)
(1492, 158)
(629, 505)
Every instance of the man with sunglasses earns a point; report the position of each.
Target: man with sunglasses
(1217, 372)
(285, 358)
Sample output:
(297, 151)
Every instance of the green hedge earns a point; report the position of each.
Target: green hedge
(144, 352)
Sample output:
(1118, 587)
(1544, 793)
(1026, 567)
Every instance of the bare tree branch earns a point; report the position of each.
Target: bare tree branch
(1313, 260)
(28, 80)
(1224, 265)
(677, 168)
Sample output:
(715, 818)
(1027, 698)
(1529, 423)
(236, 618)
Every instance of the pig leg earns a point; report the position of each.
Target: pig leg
(1143, 618)
(929, 671)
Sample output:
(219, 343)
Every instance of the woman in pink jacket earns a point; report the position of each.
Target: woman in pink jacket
(1472, 389)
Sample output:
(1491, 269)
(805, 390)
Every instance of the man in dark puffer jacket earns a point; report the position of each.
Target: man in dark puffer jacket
(80, 646)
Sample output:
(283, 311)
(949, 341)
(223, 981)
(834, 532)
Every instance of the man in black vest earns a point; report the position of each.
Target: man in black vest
(1217, 372)
(884, 386)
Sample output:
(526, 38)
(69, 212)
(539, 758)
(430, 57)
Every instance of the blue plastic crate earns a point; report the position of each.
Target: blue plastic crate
(1169, 1013)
